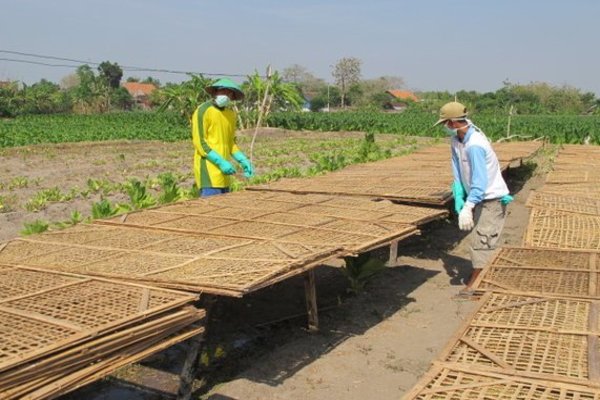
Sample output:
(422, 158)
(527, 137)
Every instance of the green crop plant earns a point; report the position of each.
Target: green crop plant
(138, 194)
(59, 128)
(18, 182)
(8, 203)
(75, 218)
(37, 226)
(104, 209)
(103, 186)
(170, 191)
(360, 270)
(40, 200)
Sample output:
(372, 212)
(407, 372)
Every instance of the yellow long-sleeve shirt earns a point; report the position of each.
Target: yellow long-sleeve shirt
(212, 129)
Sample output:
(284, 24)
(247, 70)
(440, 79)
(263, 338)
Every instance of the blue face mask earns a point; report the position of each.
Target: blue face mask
(222, 100)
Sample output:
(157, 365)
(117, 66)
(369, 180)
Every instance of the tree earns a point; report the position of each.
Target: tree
(308, 84)
(372, 91)
(185, 97)
(44, 97)
(152, 80)
(10, 101)
(264, 95)
(69, 81)
(346, 73)
(110, 74)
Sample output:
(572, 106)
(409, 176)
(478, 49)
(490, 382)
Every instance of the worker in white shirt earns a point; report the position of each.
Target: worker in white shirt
(480, 192)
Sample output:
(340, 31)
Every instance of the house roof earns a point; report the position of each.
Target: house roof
(403, 94)
(137, 89)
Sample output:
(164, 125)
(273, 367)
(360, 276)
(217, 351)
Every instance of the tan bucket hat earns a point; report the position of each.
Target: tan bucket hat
(452, 111)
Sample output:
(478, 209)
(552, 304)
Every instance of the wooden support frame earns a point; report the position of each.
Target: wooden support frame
(195, 344)
(391, 262)
(310, 291)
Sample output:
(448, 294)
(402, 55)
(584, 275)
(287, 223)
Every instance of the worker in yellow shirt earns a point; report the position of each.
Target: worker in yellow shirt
(213, 135)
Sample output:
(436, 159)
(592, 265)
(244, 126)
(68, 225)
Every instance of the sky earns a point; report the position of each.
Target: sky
(431, 44)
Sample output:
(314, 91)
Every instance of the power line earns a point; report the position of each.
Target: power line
(82, 62)
(37, 63)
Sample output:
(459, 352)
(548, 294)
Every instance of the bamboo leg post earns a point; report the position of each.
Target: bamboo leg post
(393, 254)
(310, 291)
(191, 364)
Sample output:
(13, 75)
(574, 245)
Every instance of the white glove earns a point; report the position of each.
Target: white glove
(465, 218)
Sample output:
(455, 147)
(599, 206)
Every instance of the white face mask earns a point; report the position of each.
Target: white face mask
(454, 131)
(451, 131)
(222, 100)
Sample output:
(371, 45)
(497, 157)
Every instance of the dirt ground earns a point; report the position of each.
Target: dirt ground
(26, 172)
(373, 345)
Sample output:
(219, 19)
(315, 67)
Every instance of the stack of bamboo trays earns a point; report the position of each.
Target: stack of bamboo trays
(62, 331)
(423, 177)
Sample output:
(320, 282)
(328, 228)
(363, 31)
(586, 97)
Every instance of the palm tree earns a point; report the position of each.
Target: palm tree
(185, 97)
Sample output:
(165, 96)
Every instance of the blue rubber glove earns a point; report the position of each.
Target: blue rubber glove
(221, 163)
(459, 196)
(505, 200)
(245, 163)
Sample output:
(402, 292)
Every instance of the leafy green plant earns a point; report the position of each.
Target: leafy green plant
(8, 203)
(18, 182)
(103, 209)
(138, 195)
(170, 191)
(360, 270)
(75, 218)
(40, 200)
(37, 226)
(103, 186)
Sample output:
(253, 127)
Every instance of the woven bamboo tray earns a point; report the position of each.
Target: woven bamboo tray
(571, 273)
(252, 205)
(226, 269)
(514, 151)
(349, 223)
(573, 176)
(61, 310)
(566, 202)
(443, 382)
(558, 229)
(554, 339)
(586, 190)
(420, 193)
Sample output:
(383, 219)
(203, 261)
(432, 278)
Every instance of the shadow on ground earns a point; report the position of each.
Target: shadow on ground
(244, 330)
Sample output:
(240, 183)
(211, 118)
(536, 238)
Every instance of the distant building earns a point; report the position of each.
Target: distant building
(399, 99)
(140, 92)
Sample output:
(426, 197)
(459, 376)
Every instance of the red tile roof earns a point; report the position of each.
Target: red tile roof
(137, 89)
(403, 94)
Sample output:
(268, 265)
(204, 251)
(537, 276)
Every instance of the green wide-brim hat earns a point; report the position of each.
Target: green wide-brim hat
(225, 83)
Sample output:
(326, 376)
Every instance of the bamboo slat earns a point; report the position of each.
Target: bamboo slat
(444, 382)
(528, 336)
(564, 230)
(566, 202)
(540, 271)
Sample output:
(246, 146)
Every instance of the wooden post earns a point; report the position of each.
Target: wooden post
(310, 291)
(191, 364)
(393, 253)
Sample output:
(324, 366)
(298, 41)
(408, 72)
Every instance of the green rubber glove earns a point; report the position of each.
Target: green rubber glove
(245, 163)
(505, 200)
(459, 196)
(221, 163)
